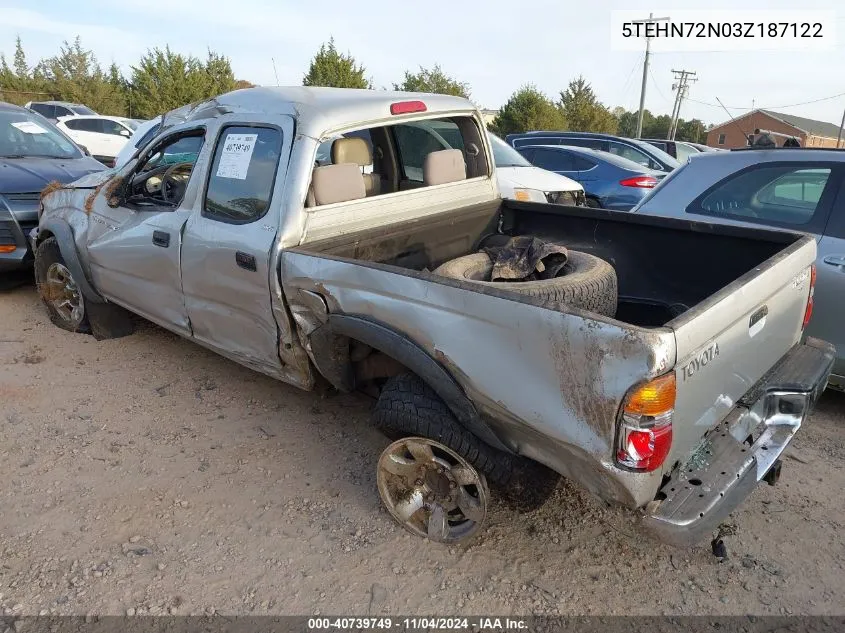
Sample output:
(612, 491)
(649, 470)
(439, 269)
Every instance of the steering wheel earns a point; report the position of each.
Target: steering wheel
(170, 184)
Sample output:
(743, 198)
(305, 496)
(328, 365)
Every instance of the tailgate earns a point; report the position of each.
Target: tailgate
(729, 341)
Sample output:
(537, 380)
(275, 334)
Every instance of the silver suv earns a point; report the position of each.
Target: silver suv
(787, 188)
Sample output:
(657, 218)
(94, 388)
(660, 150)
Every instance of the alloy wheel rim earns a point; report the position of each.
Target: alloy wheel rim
(63, 294)
(431, 490)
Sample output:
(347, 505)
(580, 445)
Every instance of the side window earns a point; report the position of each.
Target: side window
(73, 124)
(416, 140)
(528, 154)
(552, 160)
(721, 140)
(62, 111)
(162, 175)
(84, 125)
(790, 195)
(626, 151)
(111, 127)
(683, 152)
(591, 143)
(583, 164)
(242, 174)
(660, 145)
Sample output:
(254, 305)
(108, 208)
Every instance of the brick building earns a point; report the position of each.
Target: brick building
(809, 132)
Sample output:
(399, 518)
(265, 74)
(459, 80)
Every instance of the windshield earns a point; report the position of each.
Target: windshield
(81, 109)
(657, 153)
(24, 135)
(504, 155)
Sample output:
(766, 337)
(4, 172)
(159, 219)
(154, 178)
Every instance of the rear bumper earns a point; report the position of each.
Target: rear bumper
(735, 455)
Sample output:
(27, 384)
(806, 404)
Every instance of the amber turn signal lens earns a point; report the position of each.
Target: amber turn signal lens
(8, 249)
(654, 398)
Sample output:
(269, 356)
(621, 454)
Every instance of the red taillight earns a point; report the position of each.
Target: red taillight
(643, 182)
(406, 107)
(808, 311)
(645, 429)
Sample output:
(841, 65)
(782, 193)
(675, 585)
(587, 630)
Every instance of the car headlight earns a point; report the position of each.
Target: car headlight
(529, 195)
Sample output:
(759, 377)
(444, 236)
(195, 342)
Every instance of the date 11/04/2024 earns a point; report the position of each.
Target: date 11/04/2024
(417, 623)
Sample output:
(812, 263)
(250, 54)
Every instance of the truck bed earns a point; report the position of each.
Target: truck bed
(684, 287)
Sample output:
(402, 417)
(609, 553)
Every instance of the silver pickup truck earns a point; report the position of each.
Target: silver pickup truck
(667, 376)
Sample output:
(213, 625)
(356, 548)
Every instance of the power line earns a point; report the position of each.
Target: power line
(791, 105)
(657, 86)
(630, 74)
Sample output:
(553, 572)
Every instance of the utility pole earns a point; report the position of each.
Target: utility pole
(683, 78)
(839, 136)
(650, 19)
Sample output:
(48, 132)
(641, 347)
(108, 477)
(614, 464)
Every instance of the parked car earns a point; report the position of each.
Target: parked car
(520, 180)
(788, 189)
(102, 136)
(53, 110)
(610, 182)
(640, 152)
(143, 134)
(33, 153)
(679, 150)
(655, 382)
(706, 148)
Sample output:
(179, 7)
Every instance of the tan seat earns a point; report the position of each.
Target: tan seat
(336, 183)
(355, 150)
(446, 165)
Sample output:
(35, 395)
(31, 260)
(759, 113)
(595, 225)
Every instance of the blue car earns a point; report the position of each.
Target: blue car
(609, 181)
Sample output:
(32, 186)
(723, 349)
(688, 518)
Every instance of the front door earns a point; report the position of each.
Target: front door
(134, 249)
(227, 242)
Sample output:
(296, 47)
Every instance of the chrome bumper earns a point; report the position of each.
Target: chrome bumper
(734, 456)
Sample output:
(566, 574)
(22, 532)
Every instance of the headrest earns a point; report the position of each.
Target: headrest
(351, 150)
(337, 183)
(446, 165)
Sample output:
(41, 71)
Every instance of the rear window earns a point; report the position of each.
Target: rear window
(416, 140)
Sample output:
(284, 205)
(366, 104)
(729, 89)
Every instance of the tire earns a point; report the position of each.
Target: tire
(50, 270)
(588, 282)
(407, 407)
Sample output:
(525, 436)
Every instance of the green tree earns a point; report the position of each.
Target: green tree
(21, 67)
(164, 80)
(583, 111)
(75, 75)
(331, 68)
(528, 109)
(434, 80)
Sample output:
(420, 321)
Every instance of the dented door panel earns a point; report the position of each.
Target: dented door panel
(549, 382)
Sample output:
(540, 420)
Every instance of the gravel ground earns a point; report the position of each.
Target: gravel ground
(147, 475)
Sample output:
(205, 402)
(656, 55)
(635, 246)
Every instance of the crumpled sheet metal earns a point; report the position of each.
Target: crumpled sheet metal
(526, 258)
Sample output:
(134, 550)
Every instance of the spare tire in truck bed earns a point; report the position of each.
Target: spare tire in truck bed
(587, 282)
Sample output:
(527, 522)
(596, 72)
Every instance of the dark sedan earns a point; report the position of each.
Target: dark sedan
(33, 153)
(609, 181)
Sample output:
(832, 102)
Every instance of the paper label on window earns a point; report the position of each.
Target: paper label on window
(237, 152)
(28, 127)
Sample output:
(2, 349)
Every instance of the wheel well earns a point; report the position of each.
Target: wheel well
(43, 235)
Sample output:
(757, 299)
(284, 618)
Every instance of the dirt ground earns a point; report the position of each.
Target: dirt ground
(148, 475)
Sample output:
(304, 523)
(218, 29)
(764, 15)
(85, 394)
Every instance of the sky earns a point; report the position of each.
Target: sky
(496, 46)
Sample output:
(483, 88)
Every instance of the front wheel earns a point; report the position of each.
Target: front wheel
(58, 289)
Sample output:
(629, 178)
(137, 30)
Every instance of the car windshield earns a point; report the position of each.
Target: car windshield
(24, 135)
(657, 153)
(81, 109)
(504, 155)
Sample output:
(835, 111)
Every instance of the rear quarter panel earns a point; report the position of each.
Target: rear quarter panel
(550, 383)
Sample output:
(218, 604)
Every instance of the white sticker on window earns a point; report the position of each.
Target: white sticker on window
(237, 152)
(29, 127)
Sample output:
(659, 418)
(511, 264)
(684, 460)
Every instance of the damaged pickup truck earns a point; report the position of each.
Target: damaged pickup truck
(659, 363)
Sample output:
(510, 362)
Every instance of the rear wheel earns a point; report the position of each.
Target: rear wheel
(431, 490)
(58, 289)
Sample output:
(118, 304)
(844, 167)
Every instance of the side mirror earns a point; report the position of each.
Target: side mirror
(125, 133)
(84, 150)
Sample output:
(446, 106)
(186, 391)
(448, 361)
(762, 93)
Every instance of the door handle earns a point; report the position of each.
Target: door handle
(245, 261)
(160, 238)
(835, 260)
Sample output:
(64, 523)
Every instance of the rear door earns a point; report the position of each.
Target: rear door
(114, 136)
(829, 300)
(227, 242)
